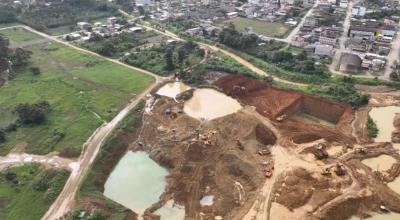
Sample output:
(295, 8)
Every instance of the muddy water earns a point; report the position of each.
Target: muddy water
(209, 104)
(172, 89)
(136, 182)
(383, 117)
(314, 119)
(170, 211)
(380, 163)
(389, 216)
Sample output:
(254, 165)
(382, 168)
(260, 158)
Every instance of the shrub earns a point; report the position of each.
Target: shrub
(35, 70)
(372, 128)
(2, 136)
(32, 113)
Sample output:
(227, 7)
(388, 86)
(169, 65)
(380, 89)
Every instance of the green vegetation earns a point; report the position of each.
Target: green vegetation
(380, 15)
(269, 29)
(118, 45)
(57, 15)
(19, 35)
(343, 91)
(165, 59)
(273, 58)
(372, 128)
(27, 192)
(75, 215)
(113, 148)
(78, 87)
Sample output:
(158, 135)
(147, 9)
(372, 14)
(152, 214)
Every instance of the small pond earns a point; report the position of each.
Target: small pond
(380, 163)
(209, 104)
(172, 89)
(383, 117)
(136, 182)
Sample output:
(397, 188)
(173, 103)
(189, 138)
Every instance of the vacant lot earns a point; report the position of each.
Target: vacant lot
(19, 35)
(261, 27)
(26, 192)
(83, 90)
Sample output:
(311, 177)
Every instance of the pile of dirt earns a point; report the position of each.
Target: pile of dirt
(265, 135)
(299, 187)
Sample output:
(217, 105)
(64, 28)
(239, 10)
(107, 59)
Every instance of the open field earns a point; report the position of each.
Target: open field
(266, 28)
(19, 35)
(28, 199)
(82, 90)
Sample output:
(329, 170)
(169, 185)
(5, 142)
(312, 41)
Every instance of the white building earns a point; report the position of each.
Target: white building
(358, 11)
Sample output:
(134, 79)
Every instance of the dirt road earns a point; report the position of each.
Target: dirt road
(296, 30)
(65, 200)
(342, 40)
(19, 159)
(393, 56)
(240, 60)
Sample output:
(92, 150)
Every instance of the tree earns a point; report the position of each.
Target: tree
(2, 136)
(32, 113)
(4, 43)
(20, 57)
(181, 54)
(35, 70)
(169, 59)
(141, 10)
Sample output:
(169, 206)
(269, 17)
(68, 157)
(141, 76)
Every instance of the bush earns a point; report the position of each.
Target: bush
(11, 127)
(372, 128)
(343, 91)
(2, 136)
(35, 70)
(32, 113)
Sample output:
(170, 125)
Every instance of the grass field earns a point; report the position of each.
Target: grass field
(21, 201)
(77, 86)
(266, 28)
(19, 35)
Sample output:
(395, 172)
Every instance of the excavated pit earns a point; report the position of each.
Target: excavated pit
(275, 103)
(293, 111)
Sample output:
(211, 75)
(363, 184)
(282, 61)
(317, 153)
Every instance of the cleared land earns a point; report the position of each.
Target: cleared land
(266, 28)
(83, 90)
(26, 192)
(19, 35)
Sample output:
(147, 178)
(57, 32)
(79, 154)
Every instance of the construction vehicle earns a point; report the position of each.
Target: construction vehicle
(326, 171)
(281, 118)
(268, 168)
(340, 169)
(263, 152)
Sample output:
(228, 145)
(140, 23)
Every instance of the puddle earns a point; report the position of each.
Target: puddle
(383, 117)
(389, 216)
(170, 211)
(210, 104)
(380, 163)
(207, 201)
(172, 89)
(136, 182)
(312, 118)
